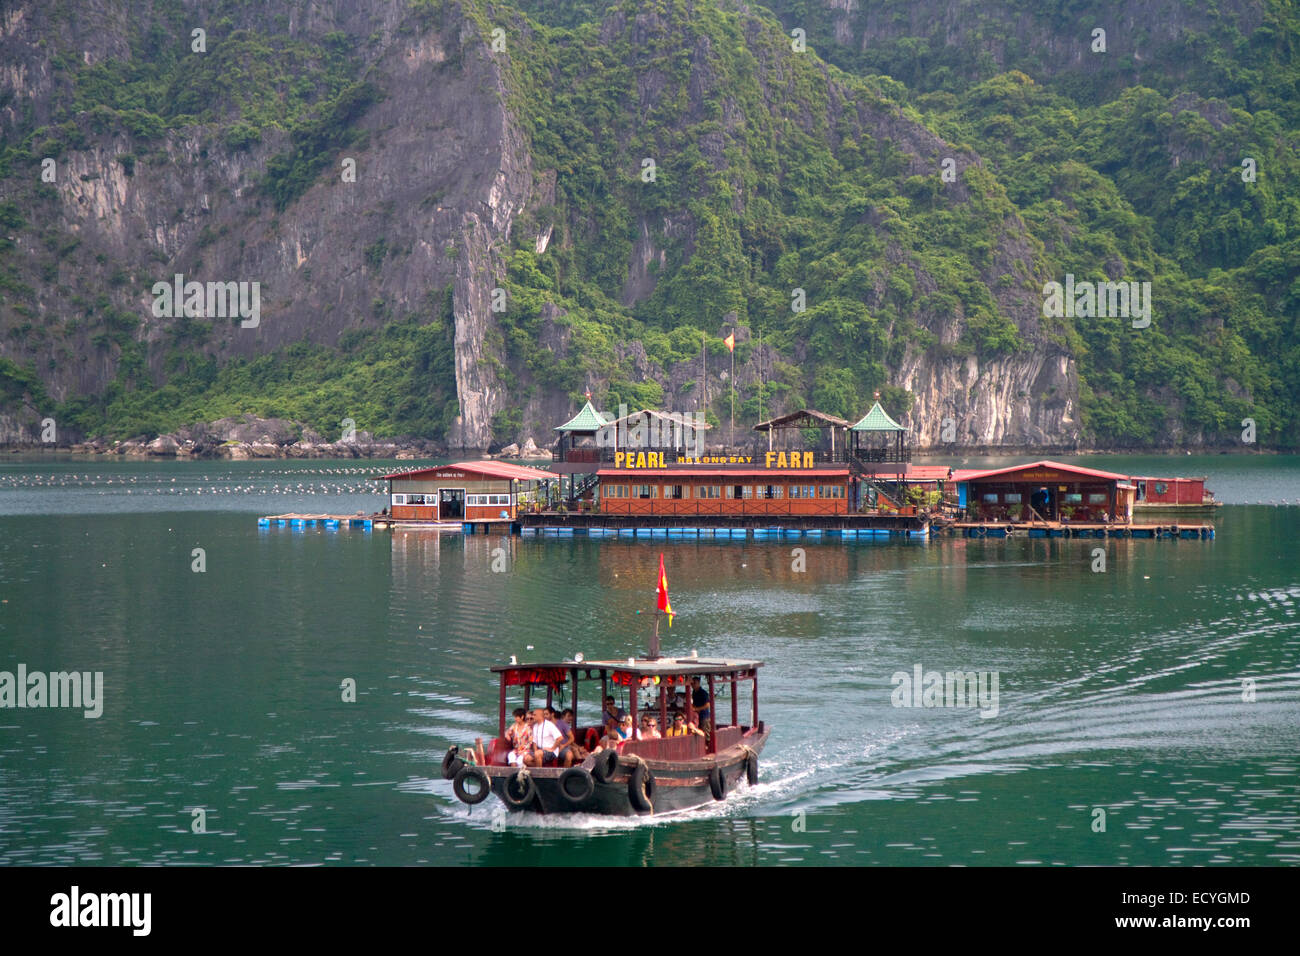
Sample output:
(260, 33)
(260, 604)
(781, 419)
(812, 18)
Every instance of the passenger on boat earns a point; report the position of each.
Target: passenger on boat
(625, 728)
(612, 739)
(680, 728)
(546, 741)
(520, 737)
(649, 729)
(611, 712)
(700, 701)
(571, 752)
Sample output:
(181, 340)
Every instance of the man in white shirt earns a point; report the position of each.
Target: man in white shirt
(546, 740)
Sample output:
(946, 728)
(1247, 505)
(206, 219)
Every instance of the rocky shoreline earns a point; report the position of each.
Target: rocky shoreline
(250, 437)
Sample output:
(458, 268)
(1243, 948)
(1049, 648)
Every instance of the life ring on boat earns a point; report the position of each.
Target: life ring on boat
(520, 789)
(751, 766)
(451, 764)
(718, 783)
(576, 785)
(471, 773)
(606, 765)
(641, 788)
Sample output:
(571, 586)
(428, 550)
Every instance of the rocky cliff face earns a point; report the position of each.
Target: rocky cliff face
(442, 175)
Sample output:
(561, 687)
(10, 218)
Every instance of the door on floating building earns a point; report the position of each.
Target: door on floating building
(451, 504)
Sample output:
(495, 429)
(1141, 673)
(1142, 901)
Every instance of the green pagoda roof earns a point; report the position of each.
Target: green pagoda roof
(877, 421)
(587, 420)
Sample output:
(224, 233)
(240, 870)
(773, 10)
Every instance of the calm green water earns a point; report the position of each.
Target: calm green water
(1120, 690)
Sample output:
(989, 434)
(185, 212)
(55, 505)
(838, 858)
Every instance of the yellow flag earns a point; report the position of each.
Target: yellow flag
(730, 342)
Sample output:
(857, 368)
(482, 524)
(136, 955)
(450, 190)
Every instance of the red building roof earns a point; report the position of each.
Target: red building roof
(927, 473)
(486, 469)
(974, 474)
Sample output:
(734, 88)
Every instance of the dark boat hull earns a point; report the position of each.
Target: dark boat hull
(678, 785)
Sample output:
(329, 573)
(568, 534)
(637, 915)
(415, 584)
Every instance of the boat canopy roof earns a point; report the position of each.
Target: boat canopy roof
(544, 673)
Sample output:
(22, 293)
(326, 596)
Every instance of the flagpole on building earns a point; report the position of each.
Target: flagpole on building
(733, 393)
(704, 346)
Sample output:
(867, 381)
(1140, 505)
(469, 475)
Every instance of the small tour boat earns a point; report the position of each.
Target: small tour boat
(645, 774)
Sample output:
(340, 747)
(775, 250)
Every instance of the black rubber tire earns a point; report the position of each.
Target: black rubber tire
(606, 766)
(641, 789)
(451, 764)
(528, 794)
(718, 783)
(586, 786)
(751, 768)
(485, 785)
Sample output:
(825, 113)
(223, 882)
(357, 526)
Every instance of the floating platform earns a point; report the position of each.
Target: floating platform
(1056, 529)
(299, 522)
(723, 526)
(497, 526)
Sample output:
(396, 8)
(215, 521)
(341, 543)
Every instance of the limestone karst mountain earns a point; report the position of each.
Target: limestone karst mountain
(461, 214)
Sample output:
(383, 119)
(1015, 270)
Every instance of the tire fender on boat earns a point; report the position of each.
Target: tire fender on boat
(464, 795)
(585, 785)
(751, 766)
(641, 788)
(606, 766)
(520, 789)
(451, 764)
(718, 783)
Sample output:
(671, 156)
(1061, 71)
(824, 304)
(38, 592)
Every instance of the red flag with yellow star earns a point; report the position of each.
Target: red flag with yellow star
(664, 604)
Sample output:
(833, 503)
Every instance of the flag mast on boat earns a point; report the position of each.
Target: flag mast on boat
(662, 606)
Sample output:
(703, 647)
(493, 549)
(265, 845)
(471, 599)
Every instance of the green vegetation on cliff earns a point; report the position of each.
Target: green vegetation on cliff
(707, 174)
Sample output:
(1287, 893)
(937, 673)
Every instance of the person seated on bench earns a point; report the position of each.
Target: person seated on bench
(680, 728)
(612, 740)
(571, 752)
(546, 740)
(520, 737)
(625, 728)
(649, 729)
